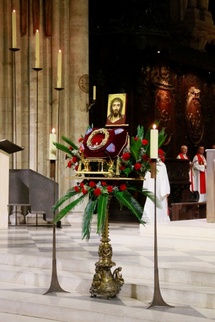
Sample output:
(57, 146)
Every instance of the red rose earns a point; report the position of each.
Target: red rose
(122, 187)
(76, 167)
(74, 159)
(97, 192)
(145, 157)
(136, 138)
(92, 184)
(80, 139)
(122, 167)
(126, 156)
(109, 189)
(103, 183)
(69, 164)
(76, 188)
(137, 166)
(82, 184)
(145, 142)
(84, 191)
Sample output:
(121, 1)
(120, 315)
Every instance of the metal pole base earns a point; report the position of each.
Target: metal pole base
(54, 286)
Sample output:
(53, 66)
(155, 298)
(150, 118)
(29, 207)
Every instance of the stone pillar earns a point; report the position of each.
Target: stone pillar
(210, 208)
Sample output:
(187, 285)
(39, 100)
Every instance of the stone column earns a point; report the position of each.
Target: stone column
(210, 180)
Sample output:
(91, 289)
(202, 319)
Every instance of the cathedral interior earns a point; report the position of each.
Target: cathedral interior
(60, 61)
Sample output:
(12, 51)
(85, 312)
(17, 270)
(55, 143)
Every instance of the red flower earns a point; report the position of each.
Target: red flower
(76, 188)
(122, 187)
(161, 155)
(82, 184)
(145, 157)
(160, 152)
(71, 148)
(137, 166)
(80, 140)
(103, 183)
(122, 167)
(92, 184)
(74, 159)
(145, 142)
(109, 189)
(76, 167)
(126, 156)
(84, 191)
(69, 164)
(97, 192)
(136, 138)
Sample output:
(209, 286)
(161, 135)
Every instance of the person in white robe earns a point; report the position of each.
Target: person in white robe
(162, 193)
(199, 173)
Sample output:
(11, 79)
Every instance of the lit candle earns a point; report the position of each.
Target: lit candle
(154, 143)
(37, 49)
(59, 70)
(14, 45)
(52, 147)
(94, 93)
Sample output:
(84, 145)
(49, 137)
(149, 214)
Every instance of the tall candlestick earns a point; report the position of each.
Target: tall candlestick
(59, 70)
(14, 45)
(94, 93)
(154, 143)
(37, 49)
(52, 147)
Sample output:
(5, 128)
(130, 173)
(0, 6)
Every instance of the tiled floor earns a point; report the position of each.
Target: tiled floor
(129, 251)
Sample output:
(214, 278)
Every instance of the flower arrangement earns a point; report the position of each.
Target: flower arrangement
(133, 163)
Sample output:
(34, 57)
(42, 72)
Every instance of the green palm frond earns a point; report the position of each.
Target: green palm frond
(68, 208)
(125, 198)
(140, 132)
(87, 218)
(161, 137)
(135, 148)
(102, 210)
(68, 141)
(64, 198)
(151, 196)
(62, 148)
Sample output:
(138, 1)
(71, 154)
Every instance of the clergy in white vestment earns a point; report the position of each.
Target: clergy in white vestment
(162, 192)
(199, 173)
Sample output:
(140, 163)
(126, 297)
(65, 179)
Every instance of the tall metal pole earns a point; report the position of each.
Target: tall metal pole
(157, 298)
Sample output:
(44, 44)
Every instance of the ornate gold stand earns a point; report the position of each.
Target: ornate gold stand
(105, 283)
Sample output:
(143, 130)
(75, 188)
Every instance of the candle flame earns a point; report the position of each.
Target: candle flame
(53, 130)
(59, 50)
(14, 10)
(154, 126)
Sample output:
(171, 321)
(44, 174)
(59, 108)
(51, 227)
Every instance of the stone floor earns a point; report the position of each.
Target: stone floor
(186, 261)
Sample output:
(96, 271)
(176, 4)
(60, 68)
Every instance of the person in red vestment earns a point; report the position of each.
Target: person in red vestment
(199, 173)
(183, 156)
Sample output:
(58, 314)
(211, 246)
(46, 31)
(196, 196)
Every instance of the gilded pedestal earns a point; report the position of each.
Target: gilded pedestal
(105, 283)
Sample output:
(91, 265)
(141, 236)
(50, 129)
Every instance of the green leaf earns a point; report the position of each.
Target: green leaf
(68, 208)
(64, 198)
(140, 131)
(102, 210)
(161, 137)
(135, 148)
(68, 141)
(62, 148)
(87, 218)
(125, 198)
